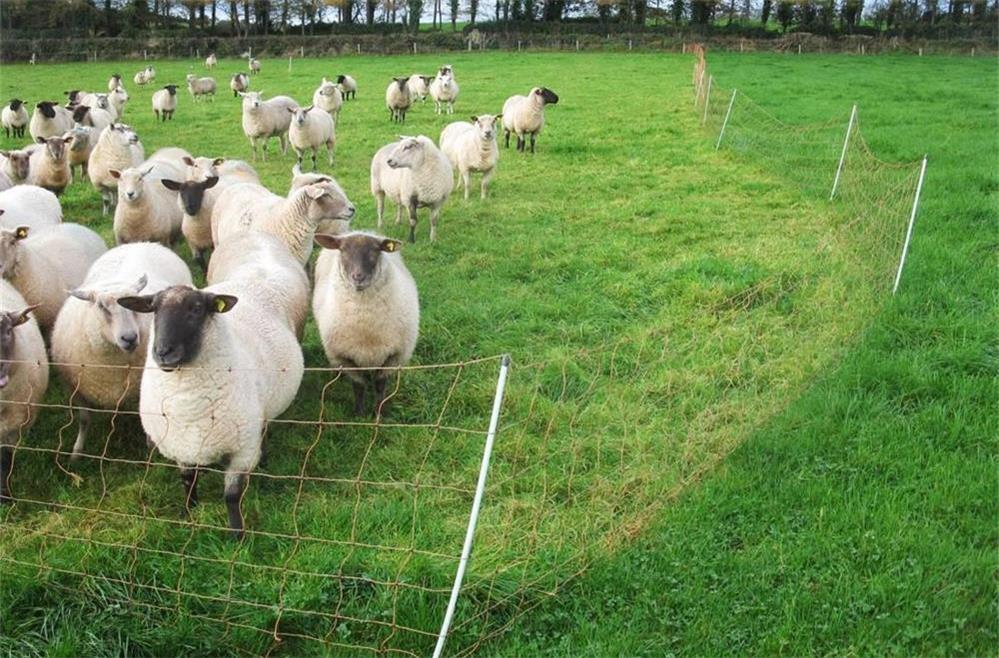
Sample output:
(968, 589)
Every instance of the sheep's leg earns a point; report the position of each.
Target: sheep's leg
(398, 213)
(283, 138)
(315, 153)
(235, 487)
(534, 136)
(156, 113)
(435, 214)
(81, 435)
(329, 151)
(300, 154)
(359, 391)
(486, 177)
(380, 206)
(6, 464)
(507, 137)
(189, 476)
(466, 179)
(199, 258)
(412, 223)
(381, 379)
(253, 145)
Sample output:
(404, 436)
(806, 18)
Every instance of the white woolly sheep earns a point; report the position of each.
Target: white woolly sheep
(265, 119)
(472, 147)
(118, 147)
(253, 65)
(145, 76)
(222, 362)
(94, 117)
(211, 61)
(49, 166)
(301, 179)
(44, 266)
(49, 120)
(147, 211)
(397, 99)
(31, 206)
(14, 118)
(328, 98)
(99, 347)
(117, 98)
(5, 182)
(165, 102)
(525, 115)
(239, 82)
(309, 130)
(444, 90)
(419, 86)
(114, 81)
(201, 87)
(16, 165)
(413, 173)
(24, 377)
(99, 102)
(367, 309)
(81, 145)
(348, 86)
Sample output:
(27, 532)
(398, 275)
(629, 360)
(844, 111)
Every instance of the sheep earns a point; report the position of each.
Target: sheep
(147, 211)
(328, 98)
(165, 102)
(81, 145)
(145, 76)
(99, 102)
(293, 219)
(45, 265)
(525, 115)
(206, 178)
(48, 120)
(24, 377)
(419, 86)
(92, 116)
(222, 362)
(444, 90)
(366, 308)
(14, 118)
(16, 165)
(239, 82)
(397, 99)
(253, 65)
(5, 182)
(301, 179)
(99, 347)
(73, 97)
(310, 130)
(118, 147)
(31, 206)
(348, 86)
(211, 61)
(114, 81)
(50, 165)
(412, 172)
(472, 147)
(265, 119)
(117, 98)
(200, 87)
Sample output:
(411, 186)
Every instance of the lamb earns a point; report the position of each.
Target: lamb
(472, 147)
(16, 165)
(117, 98)
(50, 165)
(397, 99)
(367, 309)
(206, 178)
(328, 98)
(49, 120)
(200, 87)
(24, 377)
(239, 82)
(44, 266)
(14, 118)
(265, 119)
(444, 90)
(348, 86)
(310, 130)
(147, 211)
(93, 117)
(81, 145)
(211, 61)
(118, 147)
(99, 347)
(253, 65)
(412, 172)
(31, 206)
(248, 207)
(222, 362)
(525, 115)
(114, 81)
(419, 86)
(145, 76)
(165, 102)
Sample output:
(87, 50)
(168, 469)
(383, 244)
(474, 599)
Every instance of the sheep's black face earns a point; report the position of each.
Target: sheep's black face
(171, 89)
(179, 321)
(360, 256)
(15, 104)
(47, 109)
(80, 113)
(192, 193)
(340, 79)
(548, 96)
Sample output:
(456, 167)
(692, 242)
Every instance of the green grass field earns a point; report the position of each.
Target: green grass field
(722, 435)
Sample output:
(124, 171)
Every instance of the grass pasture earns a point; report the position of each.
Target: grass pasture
(716, 415)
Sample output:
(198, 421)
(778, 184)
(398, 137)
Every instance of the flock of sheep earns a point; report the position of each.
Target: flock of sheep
(210, 367)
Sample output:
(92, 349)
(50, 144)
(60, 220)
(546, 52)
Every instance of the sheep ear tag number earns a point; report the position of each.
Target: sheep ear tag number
(21, 233)
(220, 305)
(390, 245)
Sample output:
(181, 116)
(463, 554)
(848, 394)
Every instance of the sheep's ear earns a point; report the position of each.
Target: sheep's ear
(217, 161)
(67, 138)
(21, 232)
(138, 303)
(5, 154)
(189, 161)
(390, 245)
(498, 117)
(22, 317)
(241, 93)
(308, 109)
(315, 191)
(140, 284)
(40, 140)
(474, 118)
(327, 241)
(114, 173)
(85, 295)
(291, 110)
(210, 182)
(148, 171)
(171, 184)
(223, 303)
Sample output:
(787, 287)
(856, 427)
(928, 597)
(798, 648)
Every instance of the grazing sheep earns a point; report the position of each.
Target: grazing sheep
(472, 147)
(253, 65)
(49, 120)
(31, 206)
(328, 98)
(348, 86)
(81, 145)
(49, 166)
(293, 219)
(200, 87)
(265, 119)
(118, 147)
(238, 83)
(117, 98)
(397, 99)
(93, 117)
(16, 165)
(419, 86)
(147, 211)
(114, 81)
(24, 377)
(525, 115)
(211, 61)
(367, 309)
(14, 118)
(444, 90)
(310, 130)
(45, 266)
(145, 76)
(412, 172)
(222, 362)
(99, 347)
(165, 102)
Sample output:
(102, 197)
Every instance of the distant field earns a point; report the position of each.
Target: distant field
(663, 303)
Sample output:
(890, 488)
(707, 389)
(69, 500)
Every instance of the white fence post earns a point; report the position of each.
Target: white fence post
(358, 49)
(473, 519)
(414, 47)
(728, 113)
(842, 157)
(707, 99)
(908, 231)
(289, 63)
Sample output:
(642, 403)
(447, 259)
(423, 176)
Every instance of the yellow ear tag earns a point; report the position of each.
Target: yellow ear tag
(390, 246)
(220, 305)
(21, 233)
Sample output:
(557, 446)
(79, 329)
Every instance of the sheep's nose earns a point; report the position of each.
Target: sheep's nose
(129, 195)
(350, 211)
(391, 162)
(357, 277)
(129, 341)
